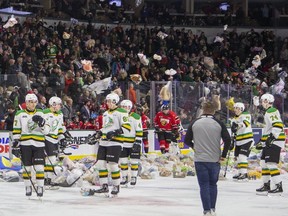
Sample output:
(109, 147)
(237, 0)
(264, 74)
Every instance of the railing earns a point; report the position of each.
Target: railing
(185, 97)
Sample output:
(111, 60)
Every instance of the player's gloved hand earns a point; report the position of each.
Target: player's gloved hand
(62, 144)
(176, 133)
(92, 139)
(16, 149)
(234, 127)
(38, 120)
(111, 134)
(136, 148)
(270, 140)
(259, 146)
(68, 136)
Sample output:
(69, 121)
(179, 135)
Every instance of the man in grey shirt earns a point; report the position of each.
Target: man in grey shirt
(204, 137)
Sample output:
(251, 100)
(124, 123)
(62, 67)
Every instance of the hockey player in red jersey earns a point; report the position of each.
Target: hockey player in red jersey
(166, 126)
(145, 124)
(99, 119)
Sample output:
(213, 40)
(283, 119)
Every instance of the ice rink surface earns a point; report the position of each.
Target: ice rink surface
(163, 196)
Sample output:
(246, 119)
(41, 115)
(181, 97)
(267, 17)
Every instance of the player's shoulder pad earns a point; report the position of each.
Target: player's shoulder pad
(46, 111)
(271, 110)
(119, 109)
(19, 112)
(135, 115)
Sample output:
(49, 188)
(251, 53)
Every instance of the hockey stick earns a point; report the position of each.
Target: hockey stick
(69, 185)
(50, 162)
(227, 161)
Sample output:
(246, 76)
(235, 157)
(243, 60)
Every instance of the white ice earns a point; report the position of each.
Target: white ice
(163, 196)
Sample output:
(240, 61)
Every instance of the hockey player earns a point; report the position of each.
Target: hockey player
(145, 125)
(166, 126)
(29, 132)
(272, 141)
(242, 131)
(115, 122)
(57, 133)
(131, 145)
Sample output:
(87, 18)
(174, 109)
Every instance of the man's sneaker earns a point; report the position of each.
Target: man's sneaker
(277, 191)
(124, 180)
(115, 190)
(264, 189)
(40, 191)
(243, 177)
(236, 176)
(28, 190)
(133, 181)
(103, 189)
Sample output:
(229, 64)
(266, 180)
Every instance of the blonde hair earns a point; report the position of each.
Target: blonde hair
(209, 107)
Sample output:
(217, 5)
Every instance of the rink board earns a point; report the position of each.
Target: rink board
(83, 150)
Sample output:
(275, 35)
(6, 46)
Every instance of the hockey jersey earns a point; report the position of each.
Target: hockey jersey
(244, 132)
(27, 131)
(98, 122)
(274, 125)
(57, 128)
(136, 132)
(114, 120)
(145, 122)
(167, 122)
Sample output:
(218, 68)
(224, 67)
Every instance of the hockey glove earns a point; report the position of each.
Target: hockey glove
(16, 149)
(68, 136)
(270, 140)
(234, 127)
(38, 120)
(92, 139)
(259, 146)
(62, 144)
(111, 134)
(136, 148)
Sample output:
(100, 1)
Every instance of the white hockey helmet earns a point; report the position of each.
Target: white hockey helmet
(239, 105)
(268, 97)
(31, 97)
(113, 97)
(55, 101)
(126, 103)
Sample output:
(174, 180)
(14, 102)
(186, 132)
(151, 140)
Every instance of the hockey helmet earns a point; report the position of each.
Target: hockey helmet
(31, 97)
(267, 97)
(55, 101)
(113, 97)
(239, 105)
(126, 103)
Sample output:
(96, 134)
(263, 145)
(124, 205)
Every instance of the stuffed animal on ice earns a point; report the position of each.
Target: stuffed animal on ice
(165, 93)
(87, 65)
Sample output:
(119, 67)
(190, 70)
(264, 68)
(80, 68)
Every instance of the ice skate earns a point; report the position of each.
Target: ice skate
(103, 190)
(124, 182)
(133, 181)
(277, 191)
(115, 191)
(264, 189)
(235, 177)
(40, 191)
(49, 185)
(28, 191)
(242, 178)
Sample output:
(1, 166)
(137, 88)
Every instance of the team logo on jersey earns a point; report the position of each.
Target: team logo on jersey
(125, 118)
(54, 125)
(31, 125)
(108, 122)
(164, 121)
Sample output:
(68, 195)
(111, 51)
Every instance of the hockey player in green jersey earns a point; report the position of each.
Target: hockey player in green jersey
(115, 123)
(272, 141)
(56, 134)
(242, 131)
(131, 145)
(29, 131)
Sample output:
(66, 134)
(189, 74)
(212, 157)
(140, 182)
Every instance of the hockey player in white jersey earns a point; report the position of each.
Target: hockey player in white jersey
(57, 134)
(242, 131)
(131, 145)
(272, 141)
(29, 132)
(115, 122)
